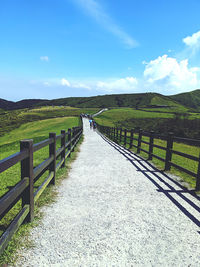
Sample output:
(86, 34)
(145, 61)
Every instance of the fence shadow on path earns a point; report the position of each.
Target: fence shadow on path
(188, 197)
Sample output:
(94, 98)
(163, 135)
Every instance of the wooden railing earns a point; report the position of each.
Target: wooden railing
(29, 175)
(135, 138)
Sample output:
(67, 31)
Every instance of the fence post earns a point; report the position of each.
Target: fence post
(198, 177)
(117, 135)
(125, 133)
(120, 136)
(107, 131)
(69, 140)
(131, 139)
(73, 134)
(52, 152)
(27, 171)
(169, 152)
(151, 139)
(139, 141)
(63, 142)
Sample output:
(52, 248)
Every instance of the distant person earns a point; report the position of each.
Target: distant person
(94, 125)
(91, 122)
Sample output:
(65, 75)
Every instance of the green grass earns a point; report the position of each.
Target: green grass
(179, 160)
(181, 124)
(39, 129)
(188, 99)
(131, 118)
(118, 100)
(14, 119)
(21, 238)
(114, 117)
(9, 144)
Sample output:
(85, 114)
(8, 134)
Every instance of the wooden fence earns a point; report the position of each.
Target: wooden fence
(134, 139)
(29, 175)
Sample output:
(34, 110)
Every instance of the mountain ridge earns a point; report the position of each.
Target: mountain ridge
(190, 100)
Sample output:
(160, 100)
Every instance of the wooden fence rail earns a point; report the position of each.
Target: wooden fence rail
(134, 138)
(29, 175)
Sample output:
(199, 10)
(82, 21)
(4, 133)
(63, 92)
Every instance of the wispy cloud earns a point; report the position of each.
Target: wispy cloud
(44, 58)
(96, 11)
(127, 84)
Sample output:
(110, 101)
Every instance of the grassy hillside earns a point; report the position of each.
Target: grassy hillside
(118, 100)
(26, 103)
(161, 123)
(10, 120)
(9, 144)
(116, 117)
(189, 99)
(181, 124)
(37, 130)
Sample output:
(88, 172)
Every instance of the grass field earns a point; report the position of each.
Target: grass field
(181, 161)
(9, 144)
(116, 117)
(10, 120)
(123, 117)
(38, 131)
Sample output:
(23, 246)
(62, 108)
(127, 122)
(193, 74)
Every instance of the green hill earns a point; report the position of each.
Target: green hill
(189, 99)
(119, 100)
(26, 103)
(143, 100)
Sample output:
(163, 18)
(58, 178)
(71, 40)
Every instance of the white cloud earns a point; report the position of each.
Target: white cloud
(65, 82)
(192, 41)
(110, 86)
(74, 84)
(120, 85)
(44, 58)
(105, 85)
(95, 10)
(192, 46)
(81, 85)
(167, 74)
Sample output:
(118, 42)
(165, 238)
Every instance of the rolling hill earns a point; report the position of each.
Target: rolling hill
(26, 103)
(190, 100)
(119, 100)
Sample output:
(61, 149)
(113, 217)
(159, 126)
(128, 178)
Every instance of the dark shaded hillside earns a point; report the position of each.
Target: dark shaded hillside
(4, 104)
(26, 103)
(189, 99)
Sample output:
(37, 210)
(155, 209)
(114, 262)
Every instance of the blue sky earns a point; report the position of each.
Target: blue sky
(61, 48)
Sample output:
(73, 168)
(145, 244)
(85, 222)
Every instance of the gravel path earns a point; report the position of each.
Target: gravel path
(116, 210)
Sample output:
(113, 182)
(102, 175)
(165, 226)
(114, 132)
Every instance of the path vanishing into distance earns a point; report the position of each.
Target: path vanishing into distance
(115, 209)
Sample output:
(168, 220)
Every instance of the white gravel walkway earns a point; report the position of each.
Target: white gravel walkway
(116, 210)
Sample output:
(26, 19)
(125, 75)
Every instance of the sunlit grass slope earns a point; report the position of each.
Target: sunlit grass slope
(13, 119)
(114, 116)
(9, 144)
